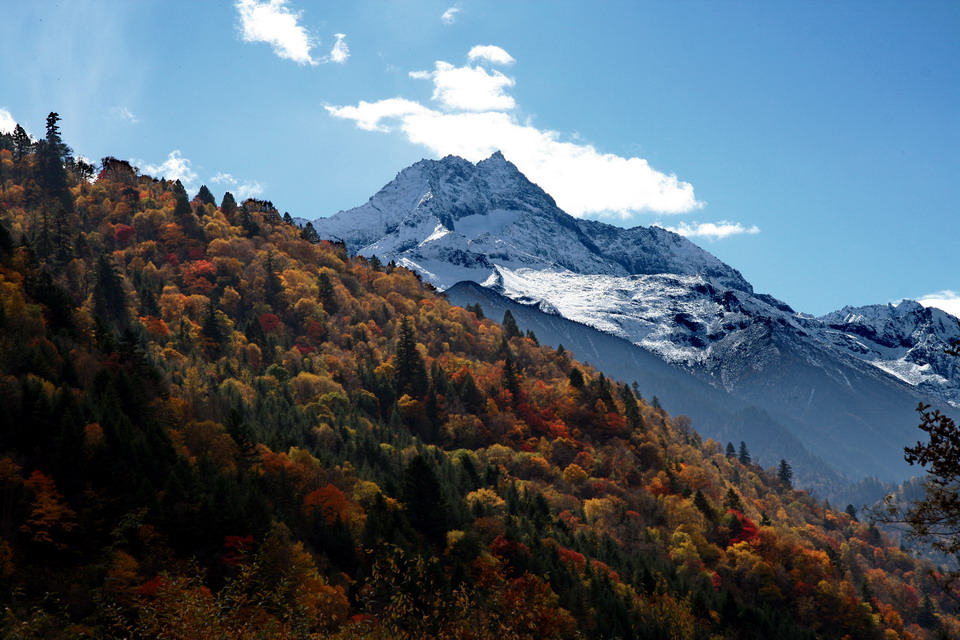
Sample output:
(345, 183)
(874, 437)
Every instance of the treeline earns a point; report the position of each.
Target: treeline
(216, 425)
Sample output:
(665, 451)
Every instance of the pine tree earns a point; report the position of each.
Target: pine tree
(744, 455)
(326, 294)
(701, 503)
(510, 327)
(410, 372)
(576, 378)
(309, 233)
(732, 501)
(228, 205)
(423, 498)
(204, 195)
(785, 474)
(731, 451)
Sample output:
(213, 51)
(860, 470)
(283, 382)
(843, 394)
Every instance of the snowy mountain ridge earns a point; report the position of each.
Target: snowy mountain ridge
(452, 220)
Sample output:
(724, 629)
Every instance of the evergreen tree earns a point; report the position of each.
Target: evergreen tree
(700, 502)
(732, 500)
(510, 327)
(109, 298)
(326, 293)
(423, 498)
(21, 143)
(851, 511)
(52, 155)
(410, 372)
(204, 195)
(576, 378)
(309, 233)
(228, 205)
(744, 455)
(731, 451)
(785, 474)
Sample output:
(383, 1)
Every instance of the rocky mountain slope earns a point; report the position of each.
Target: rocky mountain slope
(846, 383)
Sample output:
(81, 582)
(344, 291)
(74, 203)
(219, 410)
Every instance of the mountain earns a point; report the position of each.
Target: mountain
(844, 385)
(216, 425)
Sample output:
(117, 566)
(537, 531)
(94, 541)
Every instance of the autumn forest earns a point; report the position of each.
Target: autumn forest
(216, 425)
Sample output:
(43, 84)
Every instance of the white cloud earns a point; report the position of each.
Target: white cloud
(491, 53)
(477, 119)
(450, 15)
(947, 300)
(175, 167)
(340, 51)
(7, 123)
(711, 230)
(244, 190)
(273, 22)
(468, 88)
(223, 178)
(124, 114)
(250, 189)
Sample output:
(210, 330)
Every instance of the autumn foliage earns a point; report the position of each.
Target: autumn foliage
(213, 427)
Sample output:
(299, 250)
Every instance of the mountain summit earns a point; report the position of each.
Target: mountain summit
(845, 384)
(453, 220)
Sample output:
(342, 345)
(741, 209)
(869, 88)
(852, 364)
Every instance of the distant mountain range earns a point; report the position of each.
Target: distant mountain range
(835, 395)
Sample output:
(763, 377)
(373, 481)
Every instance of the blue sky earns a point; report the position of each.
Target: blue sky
(812, 145)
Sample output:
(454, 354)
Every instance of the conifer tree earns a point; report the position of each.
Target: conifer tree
(410, 372)
(731, 451)
(204, 195)
(732, 501)
(510, 327)
(744, 455)
(424, 501)
(785, 474)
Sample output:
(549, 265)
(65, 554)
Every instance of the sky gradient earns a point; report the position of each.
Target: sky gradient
(812, 146)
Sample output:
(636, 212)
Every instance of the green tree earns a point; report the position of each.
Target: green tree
(510, 327)
(410, 372)
(744, 455)
(423, 498)
(785, 474)
(204, 195)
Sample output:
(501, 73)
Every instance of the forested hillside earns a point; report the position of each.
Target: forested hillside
(216, 426)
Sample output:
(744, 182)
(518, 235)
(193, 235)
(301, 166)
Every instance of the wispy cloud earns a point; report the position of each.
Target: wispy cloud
(276, 24)
(340, 51)
(245, 189)
(175, 167)
(124, 115)
(450, 15)
(475, 117)
(947, 300)
(7, 123)
(491, 53)
(710, 230)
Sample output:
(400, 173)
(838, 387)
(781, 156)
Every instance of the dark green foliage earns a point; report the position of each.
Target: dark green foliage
(510, 327)
(785, 474)
(228, 205)
(410, 372)
(424, 500)
(576, 378)
(109, 298)
(327, 295)
(310, 234)
(204, 195)
(851, 511)
(701, 503)
(477, 310)
(744, 455)
(732, 500)
(731, 451)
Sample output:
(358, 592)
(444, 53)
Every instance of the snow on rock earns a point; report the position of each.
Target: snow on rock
(452, 221)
